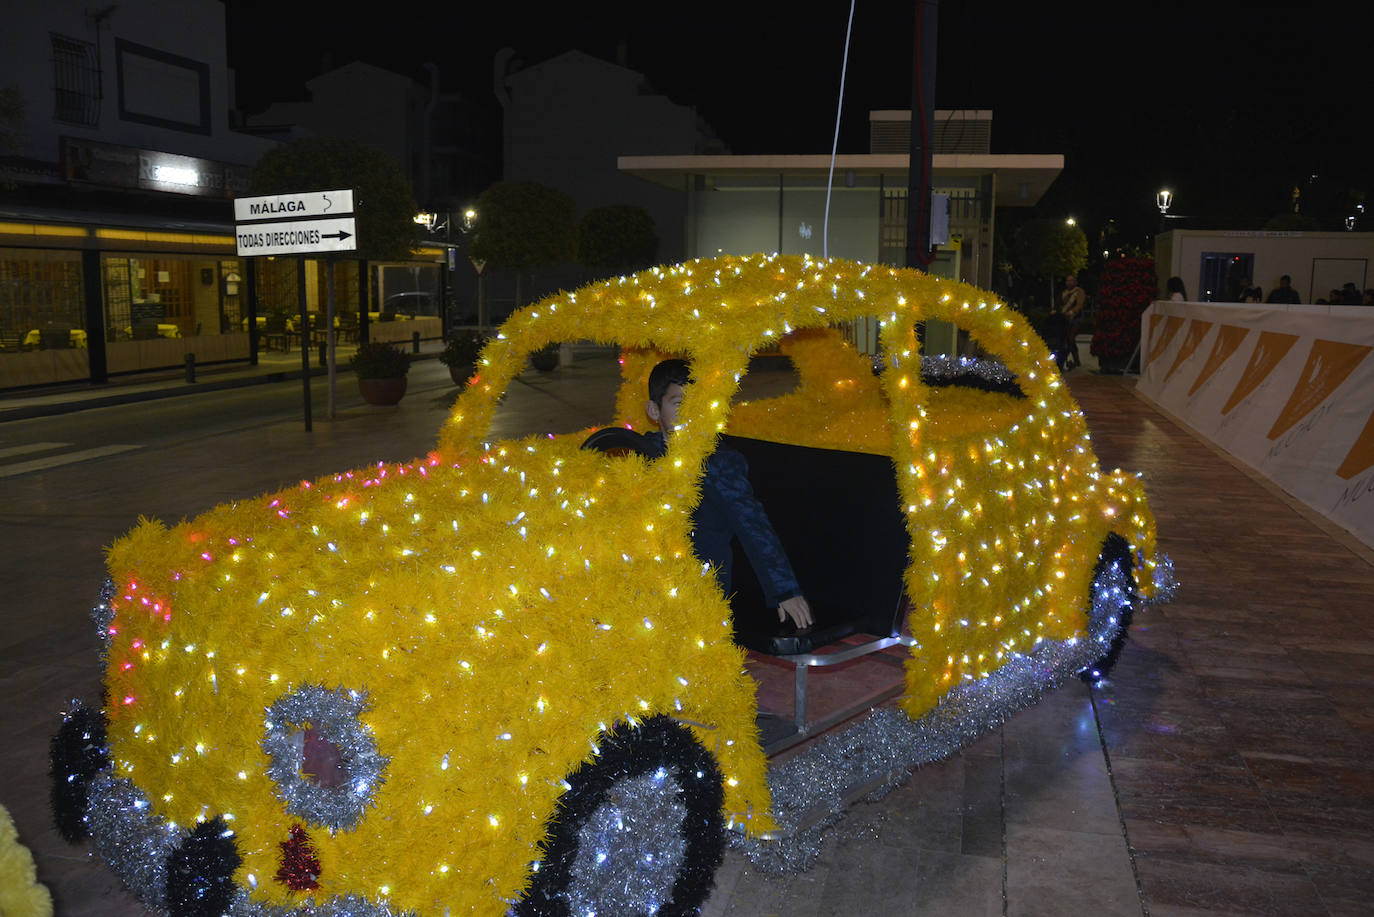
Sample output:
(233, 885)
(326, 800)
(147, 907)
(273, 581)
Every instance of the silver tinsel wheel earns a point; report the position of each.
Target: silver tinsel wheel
(1112, 598)
(633, 843)
(639, 830)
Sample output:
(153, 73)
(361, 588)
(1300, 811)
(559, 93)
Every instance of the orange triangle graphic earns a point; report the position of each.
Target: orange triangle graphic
(1328, 365)
(1228, 339)
(1197, 330)
(1155, 319)
(1361, 454)
(1269, 350)
(1171, 326)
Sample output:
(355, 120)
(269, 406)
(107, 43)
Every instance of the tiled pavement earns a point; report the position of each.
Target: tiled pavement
(1227, 768)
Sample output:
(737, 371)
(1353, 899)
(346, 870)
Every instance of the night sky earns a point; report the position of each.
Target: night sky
(1229, 105)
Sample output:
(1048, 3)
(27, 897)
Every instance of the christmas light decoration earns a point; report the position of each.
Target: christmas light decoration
(475, 631)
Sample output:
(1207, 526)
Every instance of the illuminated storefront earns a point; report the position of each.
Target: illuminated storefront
(89, 302)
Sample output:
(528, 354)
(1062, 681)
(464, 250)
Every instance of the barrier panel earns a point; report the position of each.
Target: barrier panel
(1289, 391)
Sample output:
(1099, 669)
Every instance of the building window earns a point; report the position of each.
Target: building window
(162, 89)
(75, 80)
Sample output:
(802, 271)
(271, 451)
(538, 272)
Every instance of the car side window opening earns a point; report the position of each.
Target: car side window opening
(975, 368)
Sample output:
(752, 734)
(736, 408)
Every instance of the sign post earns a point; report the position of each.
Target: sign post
(300, 223)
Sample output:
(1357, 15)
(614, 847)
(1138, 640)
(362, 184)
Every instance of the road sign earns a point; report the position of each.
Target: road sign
(295, 238)
(293, 205)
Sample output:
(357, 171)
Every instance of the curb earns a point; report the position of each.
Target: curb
(31, 411)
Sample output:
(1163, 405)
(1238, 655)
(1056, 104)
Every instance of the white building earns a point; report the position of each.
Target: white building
(1210, 262)
(742, 204)
(428, 132)
(568, 119)
(135, 95)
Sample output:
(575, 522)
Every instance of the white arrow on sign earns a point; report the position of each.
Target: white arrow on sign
(298, 237)
(294, 204)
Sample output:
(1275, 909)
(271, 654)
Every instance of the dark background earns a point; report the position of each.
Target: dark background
(1232, 106)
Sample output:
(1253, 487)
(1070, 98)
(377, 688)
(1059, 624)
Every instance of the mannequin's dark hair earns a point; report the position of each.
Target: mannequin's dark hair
(666, 373)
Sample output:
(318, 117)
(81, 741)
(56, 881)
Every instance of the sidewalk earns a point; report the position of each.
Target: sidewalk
(272, 366)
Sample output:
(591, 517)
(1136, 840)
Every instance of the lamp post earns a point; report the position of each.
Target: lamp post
(478, 265)
(1164, 199)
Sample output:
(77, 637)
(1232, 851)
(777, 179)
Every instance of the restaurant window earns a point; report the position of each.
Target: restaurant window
(171, 297)
(277, 287)
(76, 80)
(41, 298)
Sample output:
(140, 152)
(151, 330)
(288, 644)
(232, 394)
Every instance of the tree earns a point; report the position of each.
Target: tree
(1051, 248)
(1292, 222)
(618, 239)
(523, 225)
(382, 200)
(383, 204)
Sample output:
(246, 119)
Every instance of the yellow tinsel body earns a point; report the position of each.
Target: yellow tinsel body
(503, 605)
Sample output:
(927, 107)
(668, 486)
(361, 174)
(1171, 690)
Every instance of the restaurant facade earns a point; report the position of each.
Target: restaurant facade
(92, 300)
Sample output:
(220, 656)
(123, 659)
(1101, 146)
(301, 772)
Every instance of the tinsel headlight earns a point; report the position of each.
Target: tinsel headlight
(333, 716)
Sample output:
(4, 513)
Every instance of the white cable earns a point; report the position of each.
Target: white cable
(834, 147)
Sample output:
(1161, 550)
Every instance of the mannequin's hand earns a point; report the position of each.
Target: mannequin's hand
(798, 610)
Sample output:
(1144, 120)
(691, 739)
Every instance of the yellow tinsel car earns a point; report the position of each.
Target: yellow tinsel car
(497, 678)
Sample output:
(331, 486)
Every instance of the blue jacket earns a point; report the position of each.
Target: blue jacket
(728, 510)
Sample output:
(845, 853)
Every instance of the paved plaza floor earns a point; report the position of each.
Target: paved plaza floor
(1227, 767)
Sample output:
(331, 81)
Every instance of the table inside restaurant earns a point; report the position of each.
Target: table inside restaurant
(163, 330)
(76, 337)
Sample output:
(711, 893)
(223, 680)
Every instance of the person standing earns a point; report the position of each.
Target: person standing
(1284, 292)
(1071, 302)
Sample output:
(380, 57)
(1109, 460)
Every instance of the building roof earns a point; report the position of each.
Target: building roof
(1021, 178)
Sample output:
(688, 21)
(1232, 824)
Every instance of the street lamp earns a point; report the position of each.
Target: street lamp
(1164, 199)
(478, 265)
(1071, 221)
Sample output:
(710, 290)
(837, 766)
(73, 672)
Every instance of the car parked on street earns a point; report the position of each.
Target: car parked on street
(496, 677)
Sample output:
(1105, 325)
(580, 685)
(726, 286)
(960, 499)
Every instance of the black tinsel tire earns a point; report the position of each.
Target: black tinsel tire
(77, 754)
(1113, 563)
(639, 829)
(200, 872)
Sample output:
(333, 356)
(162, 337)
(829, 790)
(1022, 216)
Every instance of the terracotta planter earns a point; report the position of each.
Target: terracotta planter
(461, 374)
(382, 391)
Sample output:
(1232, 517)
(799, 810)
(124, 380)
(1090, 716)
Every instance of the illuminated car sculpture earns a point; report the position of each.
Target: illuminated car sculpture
(496, 678)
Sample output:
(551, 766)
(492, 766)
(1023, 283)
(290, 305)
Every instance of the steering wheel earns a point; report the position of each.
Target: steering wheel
(617, 441)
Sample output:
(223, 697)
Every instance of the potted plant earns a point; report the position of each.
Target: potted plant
(381, 370)
(460, 353)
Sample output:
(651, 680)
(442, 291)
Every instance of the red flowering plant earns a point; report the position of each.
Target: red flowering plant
(1127, 286)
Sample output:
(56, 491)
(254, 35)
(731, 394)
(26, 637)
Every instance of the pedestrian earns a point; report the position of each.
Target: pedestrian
(1176, 290)
(1284, 292)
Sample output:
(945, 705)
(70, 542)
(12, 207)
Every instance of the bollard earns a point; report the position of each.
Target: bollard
(324, 353)
(415, 342)
(190, 367)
